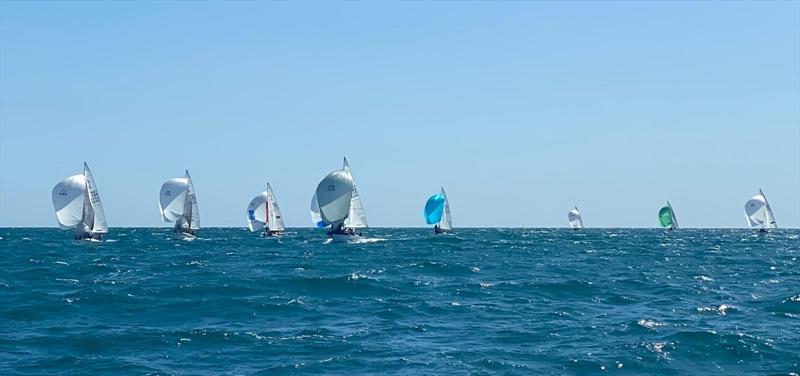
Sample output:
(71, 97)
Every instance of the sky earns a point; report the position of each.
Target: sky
(521, 110)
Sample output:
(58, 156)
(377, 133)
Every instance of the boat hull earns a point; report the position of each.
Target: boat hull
(345, 237)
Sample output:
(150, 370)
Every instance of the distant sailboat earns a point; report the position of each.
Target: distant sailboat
(667, 218)
(178, 203)
(264, 213)
(78, 206)
(437, 213)
(759, 213)
(575, 221)
(337, 205)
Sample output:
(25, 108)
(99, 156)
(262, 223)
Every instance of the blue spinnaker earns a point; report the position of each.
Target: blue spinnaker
(434, 209)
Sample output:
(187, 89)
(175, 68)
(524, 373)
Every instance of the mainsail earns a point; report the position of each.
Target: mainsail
(759, 213)
(275, 217)
(447, 219)
(99, 224)
(575, 221)
(357, 218)
(77, 204)
(666, 216)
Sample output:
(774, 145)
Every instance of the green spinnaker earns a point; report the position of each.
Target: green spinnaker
(665, 216)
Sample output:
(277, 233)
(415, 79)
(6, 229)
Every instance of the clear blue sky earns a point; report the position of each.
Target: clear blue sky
(520, 110)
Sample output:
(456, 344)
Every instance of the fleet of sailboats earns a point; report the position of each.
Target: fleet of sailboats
(759, 213)
(666, 217)
(575, 221)
(264, 214)
(178, 203)
(335, 206)
(78, 206)
(437, 213)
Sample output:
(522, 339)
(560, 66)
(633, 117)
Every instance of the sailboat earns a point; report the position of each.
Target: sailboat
(759, 213)
(575, 221)
(178, 203)
(667, 218)
(437, 213)
(337, 205)
(78, 206)
(264, 213)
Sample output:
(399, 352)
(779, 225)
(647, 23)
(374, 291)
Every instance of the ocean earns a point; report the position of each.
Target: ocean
(474, 302)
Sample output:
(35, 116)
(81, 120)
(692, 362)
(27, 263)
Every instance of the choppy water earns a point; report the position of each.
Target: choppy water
(614, 301)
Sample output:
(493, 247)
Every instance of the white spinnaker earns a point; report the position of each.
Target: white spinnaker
(334, 193)
(759, 214)
(69, 196)
(258, 207)
(357, 218)
(316, 217)
(275, 217)
(193, 213)
(446, 223)
(98, 224)
(172, 199)
(575, 220)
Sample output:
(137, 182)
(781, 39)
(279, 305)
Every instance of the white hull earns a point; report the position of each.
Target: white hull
(345, 238)
(183, 236)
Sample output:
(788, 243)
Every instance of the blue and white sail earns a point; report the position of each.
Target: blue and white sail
(437, 211)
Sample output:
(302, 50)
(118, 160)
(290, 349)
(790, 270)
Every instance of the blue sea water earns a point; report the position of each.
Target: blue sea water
(478, 301)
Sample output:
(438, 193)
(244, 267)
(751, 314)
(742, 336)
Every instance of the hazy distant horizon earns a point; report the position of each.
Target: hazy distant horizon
(520, 110)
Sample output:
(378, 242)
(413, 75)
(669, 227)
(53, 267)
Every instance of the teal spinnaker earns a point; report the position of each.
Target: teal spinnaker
(434, 208)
